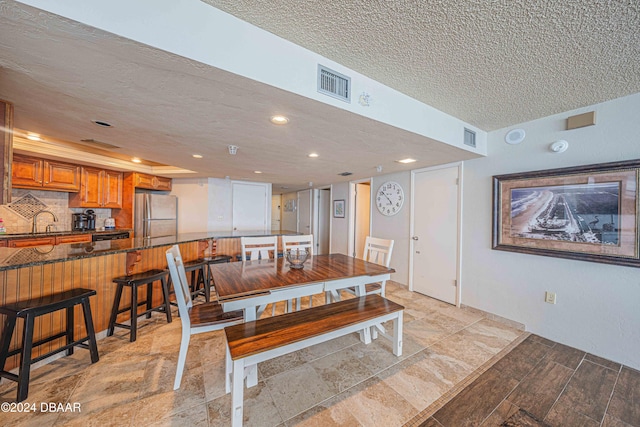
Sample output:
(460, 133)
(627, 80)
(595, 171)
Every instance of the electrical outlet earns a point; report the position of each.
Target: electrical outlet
(550, 297)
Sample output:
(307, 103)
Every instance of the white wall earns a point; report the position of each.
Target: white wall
(205, 204)
(340, 226)
(395, 227)
(598, 305)
(193, 213)
(289, 218)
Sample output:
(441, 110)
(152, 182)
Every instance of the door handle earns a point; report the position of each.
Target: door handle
(414, 238)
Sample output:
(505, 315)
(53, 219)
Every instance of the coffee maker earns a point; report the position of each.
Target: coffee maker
(84, 221)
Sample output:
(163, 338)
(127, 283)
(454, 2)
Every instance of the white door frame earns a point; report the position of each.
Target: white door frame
(458, 165)
(316, 213)
(352, 211)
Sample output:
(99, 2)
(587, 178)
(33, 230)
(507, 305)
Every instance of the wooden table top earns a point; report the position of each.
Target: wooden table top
(240, 280)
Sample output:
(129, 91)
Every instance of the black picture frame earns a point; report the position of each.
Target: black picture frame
(587, 213)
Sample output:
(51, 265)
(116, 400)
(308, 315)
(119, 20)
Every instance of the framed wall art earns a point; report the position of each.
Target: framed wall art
(338, 208)
(587, 213)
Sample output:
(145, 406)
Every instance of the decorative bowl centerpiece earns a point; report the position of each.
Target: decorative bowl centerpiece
(296, 257)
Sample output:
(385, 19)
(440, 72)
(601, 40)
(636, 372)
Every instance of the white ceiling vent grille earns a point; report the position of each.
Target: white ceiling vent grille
(469, 138)
(334, 84)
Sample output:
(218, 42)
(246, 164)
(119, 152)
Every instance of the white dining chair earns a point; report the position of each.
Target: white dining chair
(299, 242)
(378, 251)
(259, 247)
(205, 317)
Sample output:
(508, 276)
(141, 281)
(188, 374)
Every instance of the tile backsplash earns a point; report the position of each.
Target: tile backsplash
(19, 218)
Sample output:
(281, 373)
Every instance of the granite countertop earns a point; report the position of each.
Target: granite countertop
(59, 233)
(12, 258)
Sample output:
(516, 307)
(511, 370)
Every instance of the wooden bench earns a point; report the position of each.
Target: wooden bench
(253, 342)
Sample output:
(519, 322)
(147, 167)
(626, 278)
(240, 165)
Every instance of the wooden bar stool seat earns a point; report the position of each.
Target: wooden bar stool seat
(199, 278)
(146, 278)
(29, 310)
(218, 259)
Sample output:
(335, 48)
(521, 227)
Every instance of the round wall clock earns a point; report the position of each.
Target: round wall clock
(389, 198)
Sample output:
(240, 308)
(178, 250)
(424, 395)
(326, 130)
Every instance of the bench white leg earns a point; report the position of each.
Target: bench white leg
(252, 375)
(397, 335)
(237, 394)
(365, 335)
(228, 371)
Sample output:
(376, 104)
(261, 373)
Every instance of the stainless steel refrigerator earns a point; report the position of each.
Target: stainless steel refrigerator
(156, 215)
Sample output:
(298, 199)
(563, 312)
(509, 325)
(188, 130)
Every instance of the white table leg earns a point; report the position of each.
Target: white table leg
(250, 314)
(237, 394)
(397, 335)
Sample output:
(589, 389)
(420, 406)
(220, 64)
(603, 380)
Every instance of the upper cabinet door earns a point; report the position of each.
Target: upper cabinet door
(90, 195)
(32, 172)
(26, 172)
(61, 176)
(112, 193)
(99, 188)
(151, 182)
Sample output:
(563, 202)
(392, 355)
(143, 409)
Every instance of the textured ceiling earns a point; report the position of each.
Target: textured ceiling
(490, 63)
(60, 75)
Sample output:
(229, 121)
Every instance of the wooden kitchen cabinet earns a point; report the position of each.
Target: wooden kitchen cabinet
(41, 174)
(74, 238)
(151, 182)
(99, 188)
(29, 242)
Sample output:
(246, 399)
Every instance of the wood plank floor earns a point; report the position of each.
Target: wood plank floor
(543, 383)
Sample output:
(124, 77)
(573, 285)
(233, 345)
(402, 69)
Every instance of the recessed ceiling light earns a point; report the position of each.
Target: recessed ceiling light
(197, 156)
(279, 120)
(515, 136)
(313, 155)
(257, 171)
(136, 160)
(102, 123)
(34, 137)
(407, 160)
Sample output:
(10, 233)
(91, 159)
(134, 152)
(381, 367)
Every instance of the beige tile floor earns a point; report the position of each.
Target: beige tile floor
(339, 383)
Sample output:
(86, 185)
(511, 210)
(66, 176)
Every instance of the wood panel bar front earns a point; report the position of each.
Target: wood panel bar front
(92, 273)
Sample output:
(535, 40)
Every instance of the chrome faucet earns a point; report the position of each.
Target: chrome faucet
(34, 228)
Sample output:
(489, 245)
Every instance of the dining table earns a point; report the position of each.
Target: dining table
(251, 285)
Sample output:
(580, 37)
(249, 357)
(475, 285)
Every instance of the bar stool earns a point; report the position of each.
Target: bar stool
(218, 259)
(133, 281)
(29, 310)
(199, 278)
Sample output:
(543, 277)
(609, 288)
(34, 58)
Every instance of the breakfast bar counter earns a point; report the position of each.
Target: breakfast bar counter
(12, 258)
(27, 273)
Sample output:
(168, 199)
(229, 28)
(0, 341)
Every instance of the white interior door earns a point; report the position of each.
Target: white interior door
(362, 217)
(276, 203)
(324, 222)
(251, 207)
(435, 233)
(304, 212)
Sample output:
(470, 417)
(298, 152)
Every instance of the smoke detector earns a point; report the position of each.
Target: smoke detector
(233, 149)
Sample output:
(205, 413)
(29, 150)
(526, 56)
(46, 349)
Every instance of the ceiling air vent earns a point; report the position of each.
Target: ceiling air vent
(334, 84)
(345, 173)
(469, 138)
